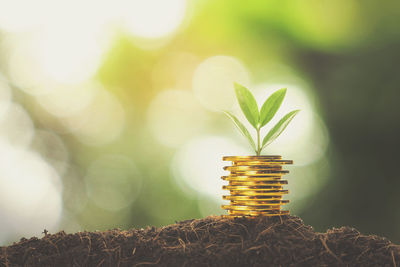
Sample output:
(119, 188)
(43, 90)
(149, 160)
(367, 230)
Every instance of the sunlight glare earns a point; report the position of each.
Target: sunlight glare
(174, 116)
(23, 15)
(65, 100)
(16, 127)
(213, 81)
(152, 18)
(69, 55)
(52, 148)
(99, 123)
(5, 97)
(41, 61)
(306, 133)
(198, 166)
(30, 193)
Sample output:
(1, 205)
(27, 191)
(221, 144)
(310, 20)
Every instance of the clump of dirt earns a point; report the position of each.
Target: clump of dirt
(212, 241)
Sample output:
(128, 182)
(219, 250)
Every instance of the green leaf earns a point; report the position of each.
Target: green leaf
(241, 128)
(248, 104)
(271, 106)
(278, 128)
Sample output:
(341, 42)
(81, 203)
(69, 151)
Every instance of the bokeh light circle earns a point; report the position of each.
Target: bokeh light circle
(113, 182)
(51, 147)
(99, 123)
(305, 182)
(42, 61)
(30, 193)
(5, 97)
(213, 81)
(306, 139)
(68, 55)
(198, 165)
(152, 18)
(66, 100)
(23, 65)
(74, 194)
(175, 70)
(174, 116)
(16, 127)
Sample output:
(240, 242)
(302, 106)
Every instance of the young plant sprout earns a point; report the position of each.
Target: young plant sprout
(259, 118)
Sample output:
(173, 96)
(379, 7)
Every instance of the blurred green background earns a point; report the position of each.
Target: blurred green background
(109, 113)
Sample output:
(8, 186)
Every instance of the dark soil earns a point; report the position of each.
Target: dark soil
(212, 241)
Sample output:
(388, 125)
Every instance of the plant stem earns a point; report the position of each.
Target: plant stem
(258, 142)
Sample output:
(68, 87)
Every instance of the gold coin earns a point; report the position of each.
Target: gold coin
(252, 178)
(253, 198)
(255, 186)
(247, 158)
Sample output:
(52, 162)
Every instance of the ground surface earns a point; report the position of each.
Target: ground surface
(212, 241)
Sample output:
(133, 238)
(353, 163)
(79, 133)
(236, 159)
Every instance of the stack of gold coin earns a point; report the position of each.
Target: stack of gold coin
(255, 186)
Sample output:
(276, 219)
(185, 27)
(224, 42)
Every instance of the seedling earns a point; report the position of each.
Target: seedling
(259, 118)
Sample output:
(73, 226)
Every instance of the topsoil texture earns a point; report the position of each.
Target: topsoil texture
(212, 241)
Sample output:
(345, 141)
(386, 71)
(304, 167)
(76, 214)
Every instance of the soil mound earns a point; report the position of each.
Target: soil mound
(212, 241)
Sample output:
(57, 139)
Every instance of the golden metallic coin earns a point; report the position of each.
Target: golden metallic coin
(257, 213)
(251, 188)
(254, 208)
(264, 169)
(232, 214)
(259, 203)
(259, 193)
(252, 178)
(250, 158)
(262, 183)
(254, 198)
(257, 173)
(263, 163)
(255, 186)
